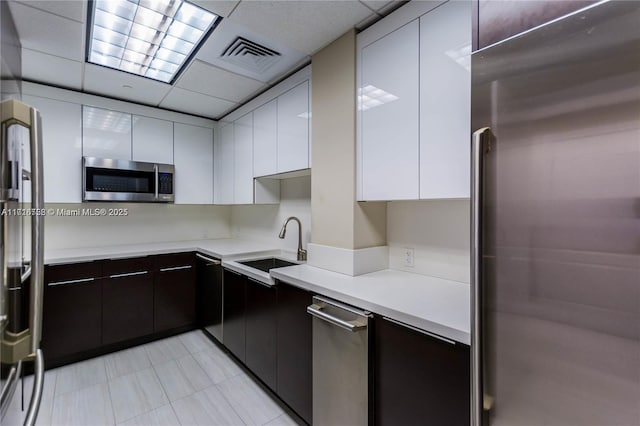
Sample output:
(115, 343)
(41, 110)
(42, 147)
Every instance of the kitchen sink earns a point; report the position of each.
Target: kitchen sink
(267, 263)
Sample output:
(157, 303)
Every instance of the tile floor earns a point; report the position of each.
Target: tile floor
(181, 380)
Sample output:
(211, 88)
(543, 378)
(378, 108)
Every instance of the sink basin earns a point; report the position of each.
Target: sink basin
(267, 263)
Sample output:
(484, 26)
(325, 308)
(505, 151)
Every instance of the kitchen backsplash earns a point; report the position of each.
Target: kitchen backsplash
(143, 223)
(438, 233)
(263, 222)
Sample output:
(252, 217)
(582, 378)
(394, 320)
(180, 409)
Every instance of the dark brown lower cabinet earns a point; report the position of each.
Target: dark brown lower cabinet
(294, 370)
(260, 334)
(127, 300)
(234, 313)
(419, 379)
(174, 293)
(72, 309)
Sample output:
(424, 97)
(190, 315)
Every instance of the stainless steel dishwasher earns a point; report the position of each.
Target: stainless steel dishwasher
(340, 363)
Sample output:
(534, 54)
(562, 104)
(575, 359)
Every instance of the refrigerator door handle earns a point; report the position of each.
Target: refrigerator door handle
(480, 143)
(37, 265)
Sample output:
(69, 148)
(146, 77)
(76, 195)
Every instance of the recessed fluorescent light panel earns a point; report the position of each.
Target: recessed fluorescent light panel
(151, 38)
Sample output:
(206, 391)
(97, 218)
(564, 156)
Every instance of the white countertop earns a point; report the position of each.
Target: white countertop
(219, 248)
(432, 304)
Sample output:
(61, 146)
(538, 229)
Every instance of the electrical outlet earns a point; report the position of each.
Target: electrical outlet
(408, 256)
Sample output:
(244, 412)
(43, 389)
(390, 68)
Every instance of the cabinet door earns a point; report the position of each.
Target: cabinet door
(209, 296)
(389, 101)
(152, 140)
(294, 342)
(233, 322)
(72, 309)
(418, 378)
(193, 159)
(445, 101)
(261, 331)
(243, 160)
(127, 299)
(174, 294)
(61, 148)
(293, 129)
(265, 139)
(106, 133)
(224, 174)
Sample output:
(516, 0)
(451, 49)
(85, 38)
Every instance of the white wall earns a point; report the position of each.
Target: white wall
(145, 223)
(437, 230)
(263, 222)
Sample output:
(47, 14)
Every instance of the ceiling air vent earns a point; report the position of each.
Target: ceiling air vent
(250, 56)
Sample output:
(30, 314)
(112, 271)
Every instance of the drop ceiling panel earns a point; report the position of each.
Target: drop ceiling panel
(48, 33)
(196, 103)
(219, 7)
(72, 9)
(43, 68)
(377, 4)
(109, 82)
(217, 82)
(306, 26)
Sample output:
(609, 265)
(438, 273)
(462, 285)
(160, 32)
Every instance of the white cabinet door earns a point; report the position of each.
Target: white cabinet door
(389, 116)
(106, 133)
(224, 174)
(445, 99)
(61, 149)
(152, 140)
(243, 160)
(193, 161)
(265, 139)
(293, 129)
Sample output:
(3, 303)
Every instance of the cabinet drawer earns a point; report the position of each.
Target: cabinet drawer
(112, 268)
(72, 273)
(168, 262)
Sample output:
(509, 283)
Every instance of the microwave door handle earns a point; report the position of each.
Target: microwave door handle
(155, 171)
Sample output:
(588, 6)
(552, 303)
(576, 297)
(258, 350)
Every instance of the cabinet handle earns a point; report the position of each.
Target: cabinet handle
(211, 261)
(80, 280)
(155, 172)
(260, 282)
(176, 268)
(128, 274)
(419, 330)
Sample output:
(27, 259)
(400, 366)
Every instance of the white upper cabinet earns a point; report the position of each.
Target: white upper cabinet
(414, 103)
(445, 99)
(61, 148)
(152, 140)
(193, 159)
(388, 107)
(265, 139)
(106, 133)
(224, 167)
(243, 160)
(293, 129)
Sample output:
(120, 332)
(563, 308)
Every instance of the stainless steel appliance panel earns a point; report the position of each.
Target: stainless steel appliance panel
(340, 363)
(556, 263)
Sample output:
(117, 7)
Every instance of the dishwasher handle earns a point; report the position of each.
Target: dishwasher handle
(352, 326)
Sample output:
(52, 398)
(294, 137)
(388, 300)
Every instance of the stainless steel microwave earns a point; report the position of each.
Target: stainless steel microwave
(122, 180)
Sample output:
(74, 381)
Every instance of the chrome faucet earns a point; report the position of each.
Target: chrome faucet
(302, 254)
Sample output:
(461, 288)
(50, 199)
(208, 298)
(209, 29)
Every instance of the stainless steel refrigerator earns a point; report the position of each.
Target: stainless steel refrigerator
(21, 252)
(556, 223)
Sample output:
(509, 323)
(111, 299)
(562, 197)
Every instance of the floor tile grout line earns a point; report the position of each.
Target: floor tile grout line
(113, 409)
(229, 402)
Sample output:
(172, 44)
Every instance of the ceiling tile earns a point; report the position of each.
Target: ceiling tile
(377, 4)
(43, 68)
(110, 82)
(217, 82)
(48, 33)
(196, 103)
(219, 7)
(306, 26)
(72, 9)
